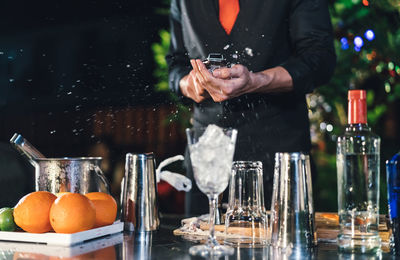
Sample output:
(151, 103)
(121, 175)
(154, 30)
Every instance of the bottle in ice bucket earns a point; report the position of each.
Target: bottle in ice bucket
(357, 164)
(393, 188)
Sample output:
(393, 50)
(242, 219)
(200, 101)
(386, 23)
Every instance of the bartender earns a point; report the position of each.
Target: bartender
(279, 51)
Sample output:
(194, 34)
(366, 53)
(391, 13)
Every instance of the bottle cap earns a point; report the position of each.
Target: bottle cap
(357, 113)
(357, 94)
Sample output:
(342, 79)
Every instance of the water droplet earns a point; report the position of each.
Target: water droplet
(128, 65)
(69, 93)
(52, 132)
(249, 51)
(1, 53)
(11, 80)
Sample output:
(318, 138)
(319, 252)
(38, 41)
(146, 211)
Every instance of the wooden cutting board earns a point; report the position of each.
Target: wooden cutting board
(327, 227)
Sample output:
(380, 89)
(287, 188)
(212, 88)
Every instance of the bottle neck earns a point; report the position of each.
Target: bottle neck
(357, 127)
(357, 111)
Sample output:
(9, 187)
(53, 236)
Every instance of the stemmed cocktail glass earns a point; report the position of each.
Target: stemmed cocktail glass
(211, 155)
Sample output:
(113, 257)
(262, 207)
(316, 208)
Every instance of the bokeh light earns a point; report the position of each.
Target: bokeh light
(369, 35)
(387, 87)
(345, 43)
(358, 41)
(391, 66)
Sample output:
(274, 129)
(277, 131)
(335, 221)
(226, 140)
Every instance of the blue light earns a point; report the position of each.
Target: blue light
(369, 35)
(345, 43)
(358, 41)
(357, 49)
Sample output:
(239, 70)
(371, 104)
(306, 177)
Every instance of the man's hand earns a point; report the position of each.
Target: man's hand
(227, 83)
(192, 89)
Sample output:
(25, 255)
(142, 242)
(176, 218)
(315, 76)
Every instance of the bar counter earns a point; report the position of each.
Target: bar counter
(158, 245)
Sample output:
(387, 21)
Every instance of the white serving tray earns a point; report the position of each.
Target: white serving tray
(10, 248)
(57, 239)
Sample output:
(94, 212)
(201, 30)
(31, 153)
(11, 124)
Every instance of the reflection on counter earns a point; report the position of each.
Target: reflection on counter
(139, 246)
(103, 248)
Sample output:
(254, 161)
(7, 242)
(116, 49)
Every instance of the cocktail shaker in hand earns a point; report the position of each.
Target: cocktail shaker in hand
(139, 193)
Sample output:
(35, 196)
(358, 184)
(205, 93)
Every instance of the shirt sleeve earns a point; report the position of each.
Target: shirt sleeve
(313, 61)
(177, 57)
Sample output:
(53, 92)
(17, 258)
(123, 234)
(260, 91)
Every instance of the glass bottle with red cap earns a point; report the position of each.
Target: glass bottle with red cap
(357, 162)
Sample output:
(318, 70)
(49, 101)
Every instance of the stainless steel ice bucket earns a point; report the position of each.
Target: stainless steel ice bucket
(139, 202)
(79, 175)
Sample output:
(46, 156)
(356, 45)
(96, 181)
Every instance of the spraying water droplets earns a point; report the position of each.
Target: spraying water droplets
(249, 51)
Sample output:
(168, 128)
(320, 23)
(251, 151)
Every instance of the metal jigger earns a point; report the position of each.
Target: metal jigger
(292, 210)
(139, 193)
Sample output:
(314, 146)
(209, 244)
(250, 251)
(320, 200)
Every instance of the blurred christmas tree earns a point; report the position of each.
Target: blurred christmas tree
(367, 42)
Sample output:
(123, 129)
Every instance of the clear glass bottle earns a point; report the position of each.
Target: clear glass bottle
(357, 164)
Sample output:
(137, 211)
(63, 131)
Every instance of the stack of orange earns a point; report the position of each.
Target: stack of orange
(42, 211)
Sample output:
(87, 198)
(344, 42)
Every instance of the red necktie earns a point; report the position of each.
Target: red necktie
(228, 11)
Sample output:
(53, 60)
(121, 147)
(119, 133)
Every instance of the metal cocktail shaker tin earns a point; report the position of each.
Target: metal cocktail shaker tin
(139, 203)
(292, 207)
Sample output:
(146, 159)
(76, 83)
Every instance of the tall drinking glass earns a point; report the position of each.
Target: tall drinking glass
(211, 155)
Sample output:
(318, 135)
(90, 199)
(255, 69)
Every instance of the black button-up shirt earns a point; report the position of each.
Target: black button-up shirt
(294, 34)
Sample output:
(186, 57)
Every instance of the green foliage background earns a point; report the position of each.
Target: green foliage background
(376, 68)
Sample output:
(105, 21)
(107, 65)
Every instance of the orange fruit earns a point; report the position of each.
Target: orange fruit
(106, 208)
(72, 212)
(32, 211)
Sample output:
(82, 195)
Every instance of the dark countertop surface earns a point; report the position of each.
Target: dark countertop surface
(161, 244)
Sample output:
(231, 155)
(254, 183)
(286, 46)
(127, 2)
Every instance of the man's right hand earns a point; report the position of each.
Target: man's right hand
(191, 88)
